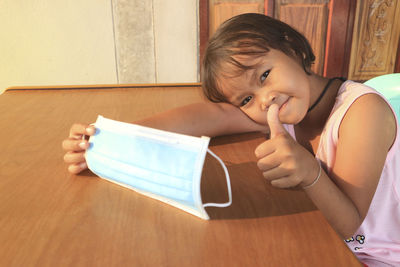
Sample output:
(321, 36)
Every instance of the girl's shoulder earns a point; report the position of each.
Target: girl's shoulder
(354, 103)
(362, 109)
(349, 91)
(360, 122)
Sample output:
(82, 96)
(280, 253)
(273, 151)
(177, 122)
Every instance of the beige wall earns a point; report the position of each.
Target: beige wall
(176, 36)
(62, 42)
(56, 42)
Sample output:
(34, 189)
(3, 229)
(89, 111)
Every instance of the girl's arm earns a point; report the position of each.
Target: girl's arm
(366, 134)
(209, 119)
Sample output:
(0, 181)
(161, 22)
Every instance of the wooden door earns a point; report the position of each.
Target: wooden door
(375, 45)
(335, 29)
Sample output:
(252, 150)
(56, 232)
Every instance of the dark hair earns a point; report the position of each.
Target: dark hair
(249, 34)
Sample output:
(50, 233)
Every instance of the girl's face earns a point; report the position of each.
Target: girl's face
(276, 78)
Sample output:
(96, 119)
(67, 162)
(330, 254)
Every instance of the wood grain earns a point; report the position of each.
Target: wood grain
(311, 20)
(375, 39)
(221, 10)
(339, 38)
(204, 27)
(51, 218)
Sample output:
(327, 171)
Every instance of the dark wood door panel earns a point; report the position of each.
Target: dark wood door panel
(340, 31)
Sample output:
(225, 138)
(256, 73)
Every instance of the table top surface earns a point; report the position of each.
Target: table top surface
(49, 217)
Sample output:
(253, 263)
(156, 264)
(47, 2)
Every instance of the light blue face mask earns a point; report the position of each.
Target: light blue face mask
(159, 164)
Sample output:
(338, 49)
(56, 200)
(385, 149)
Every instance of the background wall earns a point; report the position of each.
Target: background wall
(62, 42)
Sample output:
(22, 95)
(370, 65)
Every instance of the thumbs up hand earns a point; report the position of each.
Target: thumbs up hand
(283, 161)
(275, 126)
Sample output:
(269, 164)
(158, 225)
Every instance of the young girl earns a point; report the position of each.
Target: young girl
(336, 139)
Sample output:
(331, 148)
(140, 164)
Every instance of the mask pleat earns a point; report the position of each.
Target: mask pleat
(142, 179)
(159, 164)
(147, 154)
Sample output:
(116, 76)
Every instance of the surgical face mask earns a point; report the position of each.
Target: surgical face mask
(162, 165)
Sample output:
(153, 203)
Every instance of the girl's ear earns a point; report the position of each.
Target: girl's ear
(301, 59)
(306, 68)
(298, 55)
(291, 52)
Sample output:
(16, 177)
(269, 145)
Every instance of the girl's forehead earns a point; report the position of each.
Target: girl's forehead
(251, 60)
(229, 88)
(232, 80)
(239, 71)
(238, 65)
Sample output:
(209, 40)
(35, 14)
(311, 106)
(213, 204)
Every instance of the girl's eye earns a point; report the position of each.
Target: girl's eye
(246, 100)
(264, 76)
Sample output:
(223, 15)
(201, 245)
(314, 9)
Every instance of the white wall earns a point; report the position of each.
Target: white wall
(176, 38)
(60, 42)
(56, 42)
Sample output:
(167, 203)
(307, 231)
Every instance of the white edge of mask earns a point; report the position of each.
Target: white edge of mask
(197, 179)
(203, 215)
(201, 212)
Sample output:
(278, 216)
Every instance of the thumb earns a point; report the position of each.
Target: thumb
(275, 126)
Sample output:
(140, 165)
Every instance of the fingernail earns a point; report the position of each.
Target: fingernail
(90, 130)
(83, 165)
(83, 145)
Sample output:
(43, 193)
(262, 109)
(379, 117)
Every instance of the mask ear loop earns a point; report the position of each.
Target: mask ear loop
(228, 184)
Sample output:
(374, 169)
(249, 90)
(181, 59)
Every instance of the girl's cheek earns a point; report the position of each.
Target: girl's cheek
(257, 116)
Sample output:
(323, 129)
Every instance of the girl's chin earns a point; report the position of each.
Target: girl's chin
(285, 112)
(289, 116)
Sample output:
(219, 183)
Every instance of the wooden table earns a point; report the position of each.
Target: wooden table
(49, 217)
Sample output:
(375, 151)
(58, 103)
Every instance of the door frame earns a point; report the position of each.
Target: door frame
(337, 49)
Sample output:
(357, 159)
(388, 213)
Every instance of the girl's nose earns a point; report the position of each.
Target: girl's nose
(267, 101)
(272, 98)
(264, 103)
(263, 106)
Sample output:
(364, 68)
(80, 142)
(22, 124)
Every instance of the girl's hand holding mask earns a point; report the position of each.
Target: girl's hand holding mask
(75, 146)
(283, 161)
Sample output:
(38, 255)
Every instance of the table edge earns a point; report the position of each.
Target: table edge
(100, 86)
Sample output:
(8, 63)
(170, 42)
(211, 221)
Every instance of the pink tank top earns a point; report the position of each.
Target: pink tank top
(377, 241)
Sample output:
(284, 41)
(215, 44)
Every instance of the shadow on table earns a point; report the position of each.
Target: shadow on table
(252, 195)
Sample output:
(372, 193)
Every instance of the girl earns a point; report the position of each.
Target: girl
(336, 139)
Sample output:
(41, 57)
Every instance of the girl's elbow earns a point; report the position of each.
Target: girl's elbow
(348, 230)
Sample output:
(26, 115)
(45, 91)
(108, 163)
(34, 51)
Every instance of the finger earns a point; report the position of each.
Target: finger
(77, 168)
(78, 130)
(275, 125)
(268, 162)
(264, 149)
(285, 182)
(276, 173)
(72, 157)
(75, 145)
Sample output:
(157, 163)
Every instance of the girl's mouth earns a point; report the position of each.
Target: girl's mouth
(284, 104)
